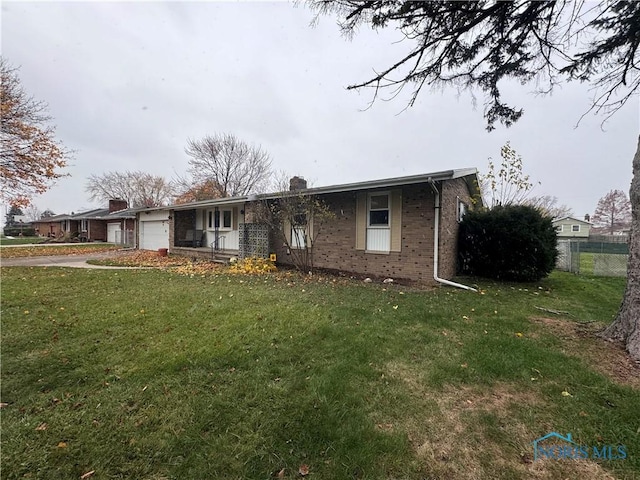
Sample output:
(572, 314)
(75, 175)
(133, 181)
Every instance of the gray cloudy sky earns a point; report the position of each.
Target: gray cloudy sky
(128, 83)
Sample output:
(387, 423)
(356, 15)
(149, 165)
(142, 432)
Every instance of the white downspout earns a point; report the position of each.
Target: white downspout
(436, 241)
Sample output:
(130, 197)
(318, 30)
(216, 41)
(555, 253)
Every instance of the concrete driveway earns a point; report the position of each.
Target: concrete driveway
(75, 261)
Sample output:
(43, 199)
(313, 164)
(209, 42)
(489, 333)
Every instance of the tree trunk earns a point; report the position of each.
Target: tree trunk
(626, 327)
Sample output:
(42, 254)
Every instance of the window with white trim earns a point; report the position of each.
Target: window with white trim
(220, 219)
(84, 225)
(461, 209)
(299, 231)
(379, 210)
(379, 222)
(575, 228)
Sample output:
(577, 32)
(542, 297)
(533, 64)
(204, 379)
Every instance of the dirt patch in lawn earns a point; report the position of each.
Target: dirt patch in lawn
(580, 340)
(471, 433)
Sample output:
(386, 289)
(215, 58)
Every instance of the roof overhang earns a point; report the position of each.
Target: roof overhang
(470, 175)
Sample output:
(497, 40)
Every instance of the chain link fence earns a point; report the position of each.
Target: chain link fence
(125, 237)
(599, 258)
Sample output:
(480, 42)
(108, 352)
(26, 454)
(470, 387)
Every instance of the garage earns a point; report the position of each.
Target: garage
(154, 234)
(112, 232)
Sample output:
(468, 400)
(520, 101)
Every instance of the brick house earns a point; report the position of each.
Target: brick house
(402, 228)
(98, 225)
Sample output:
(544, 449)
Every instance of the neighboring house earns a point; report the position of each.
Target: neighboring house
(115, 224)
(54, 226)
(569, 227)
(384, 228)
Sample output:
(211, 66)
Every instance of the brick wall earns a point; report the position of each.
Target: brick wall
(97, 230)
(450, 191)
(335, 246)
(172, 229)
(116, 204)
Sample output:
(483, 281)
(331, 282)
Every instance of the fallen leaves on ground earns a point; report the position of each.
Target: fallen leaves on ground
(144, 258)
(303, 470)
(253, 265)
(48, 251)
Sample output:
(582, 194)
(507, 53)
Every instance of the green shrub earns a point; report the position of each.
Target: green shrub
(514, 242)
(16, 231)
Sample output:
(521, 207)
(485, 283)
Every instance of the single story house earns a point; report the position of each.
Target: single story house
(55, 226)
(570, 227)
(403, 228)
(115, 224)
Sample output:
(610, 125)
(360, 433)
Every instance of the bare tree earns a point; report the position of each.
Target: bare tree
(32, 213)
(549, 206)
(298, 218)
(507, 185)
(236, 167)
(139, 189)
(613, 212)
(30, 156)
(477, 45)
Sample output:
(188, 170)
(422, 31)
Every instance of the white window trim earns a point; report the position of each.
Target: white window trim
(211, 214)
(573, 228)
(379, 194)
(299, 237)
(461, 209)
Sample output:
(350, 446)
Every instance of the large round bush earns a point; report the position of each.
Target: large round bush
(514, 242)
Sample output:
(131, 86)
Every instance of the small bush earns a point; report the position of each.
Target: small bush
(514, 242)
(252, 265)
(17, 231)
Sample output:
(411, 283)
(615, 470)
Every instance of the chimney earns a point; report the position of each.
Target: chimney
(116, 204)
(587, 218)
(297, 183)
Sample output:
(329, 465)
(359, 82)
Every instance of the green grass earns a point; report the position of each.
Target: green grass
(587, 262)
(20, 240)
(153, 375)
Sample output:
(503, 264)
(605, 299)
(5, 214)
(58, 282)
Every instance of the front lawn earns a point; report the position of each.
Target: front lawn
(21, 240)
(153, 374)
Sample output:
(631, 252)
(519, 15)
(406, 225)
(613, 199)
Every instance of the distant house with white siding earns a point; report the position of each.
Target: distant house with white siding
(570, 227)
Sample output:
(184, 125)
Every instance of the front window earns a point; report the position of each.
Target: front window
(575, 228)
(299, 231)
(226, 219)
(220, 219)
(379, 210)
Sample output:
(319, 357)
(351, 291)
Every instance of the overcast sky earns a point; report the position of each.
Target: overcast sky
(128, 83)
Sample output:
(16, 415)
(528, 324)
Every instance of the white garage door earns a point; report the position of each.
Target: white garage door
(112, 232)
(154, 235)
